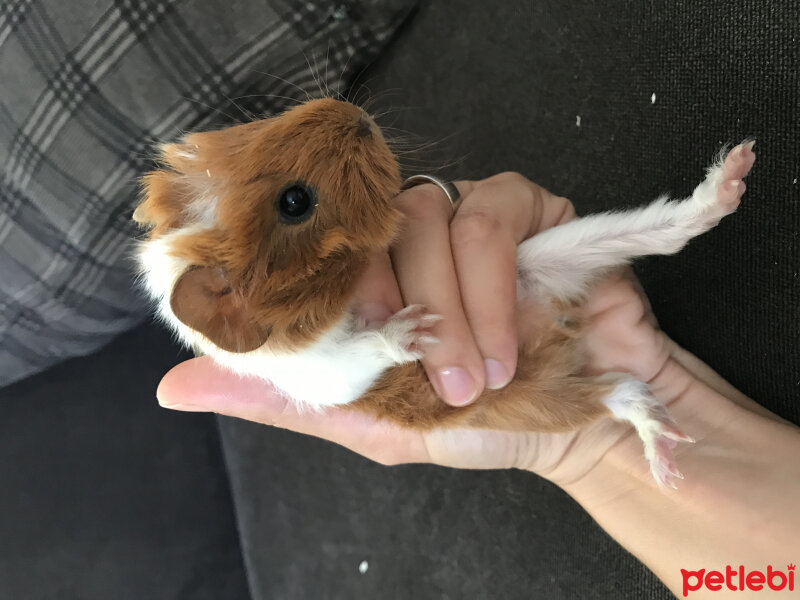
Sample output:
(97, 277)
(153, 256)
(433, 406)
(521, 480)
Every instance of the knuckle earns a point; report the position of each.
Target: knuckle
(474, 226)
(630, 297)
(516, 185)
(510, 177)
(569, 210)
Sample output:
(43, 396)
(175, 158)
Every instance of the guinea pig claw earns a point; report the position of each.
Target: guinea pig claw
(672, 432)
(405, 333)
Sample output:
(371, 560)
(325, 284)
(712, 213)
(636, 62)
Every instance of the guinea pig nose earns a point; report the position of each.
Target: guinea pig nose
(364, 127)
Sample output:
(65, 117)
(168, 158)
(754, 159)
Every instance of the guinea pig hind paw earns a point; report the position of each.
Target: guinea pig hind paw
(662, 463)
(632, 401)
(722, 190)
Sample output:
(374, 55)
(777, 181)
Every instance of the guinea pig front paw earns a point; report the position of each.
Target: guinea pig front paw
(402, 338)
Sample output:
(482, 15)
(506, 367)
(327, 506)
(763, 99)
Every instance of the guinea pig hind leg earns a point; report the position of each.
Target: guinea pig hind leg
(563, 262)
(631, 401)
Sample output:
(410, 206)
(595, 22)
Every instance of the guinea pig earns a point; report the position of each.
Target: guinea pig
(257, 234)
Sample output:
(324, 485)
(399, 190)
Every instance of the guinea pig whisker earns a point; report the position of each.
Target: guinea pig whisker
(412, 163)
(409, 149)
(292, 101)
(314, 70)
(372, 99)
(248, 115)
(393, 111)
(394, 114)
(355, 89)
(324, 78)
(436, 143)
(212, 109)
(341, 76)
(432, 167)
(333, 83)
(327, 62)
(402, 142)
(286, 81)
(366, 104)
(373, 103)
(405, 107)
(398, 133)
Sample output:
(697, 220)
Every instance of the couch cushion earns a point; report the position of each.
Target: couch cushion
(104, 494)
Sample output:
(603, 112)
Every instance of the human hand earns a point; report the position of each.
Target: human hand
(464, 270)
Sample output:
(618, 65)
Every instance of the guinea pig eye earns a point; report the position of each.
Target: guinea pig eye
(296, 203)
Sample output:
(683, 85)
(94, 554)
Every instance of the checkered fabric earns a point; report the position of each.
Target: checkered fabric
(86, 88)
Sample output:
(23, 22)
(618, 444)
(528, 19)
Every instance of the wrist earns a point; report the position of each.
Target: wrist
(699, 411)
(740, 486)
(701, 371)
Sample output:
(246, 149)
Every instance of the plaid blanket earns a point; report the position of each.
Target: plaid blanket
(86, 88)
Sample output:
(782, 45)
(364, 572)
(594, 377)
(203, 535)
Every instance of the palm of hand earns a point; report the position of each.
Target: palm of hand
(622, 336)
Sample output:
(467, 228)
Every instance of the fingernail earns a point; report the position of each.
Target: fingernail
(496, 374)
(457, 386)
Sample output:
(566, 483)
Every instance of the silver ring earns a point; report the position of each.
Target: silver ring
(448, 187)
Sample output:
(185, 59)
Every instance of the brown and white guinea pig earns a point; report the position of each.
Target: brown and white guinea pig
(258, 233)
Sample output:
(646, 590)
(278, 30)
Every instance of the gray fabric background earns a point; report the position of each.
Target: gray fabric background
(106, 496)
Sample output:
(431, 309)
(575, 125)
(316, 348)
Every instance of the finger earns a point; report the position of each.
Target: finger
(484, 255)
(200, 384)
(555, 210)
(495, 217)
(377, 295)
(626, 274)
(423, 264)
(492, 220)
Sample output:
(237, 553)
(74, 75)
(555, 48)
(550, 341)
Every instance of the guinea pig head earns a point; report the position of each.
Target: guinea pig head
(265, 227)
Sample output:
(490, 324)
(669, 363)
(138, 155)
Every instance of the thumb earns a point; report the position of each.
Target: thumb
(377, 295)
(200, 385)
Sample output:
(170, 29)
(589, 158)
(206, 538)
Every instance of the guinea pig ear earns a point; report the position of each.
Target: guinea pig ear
(204, 300)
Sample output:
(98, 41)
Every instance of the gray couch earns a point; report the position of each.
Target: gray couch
(105, 496)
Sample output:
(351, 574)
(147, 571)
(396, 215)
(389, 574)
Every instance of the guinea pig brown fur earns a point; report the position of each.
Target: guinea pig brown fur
(257, 235)
(256, 277)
